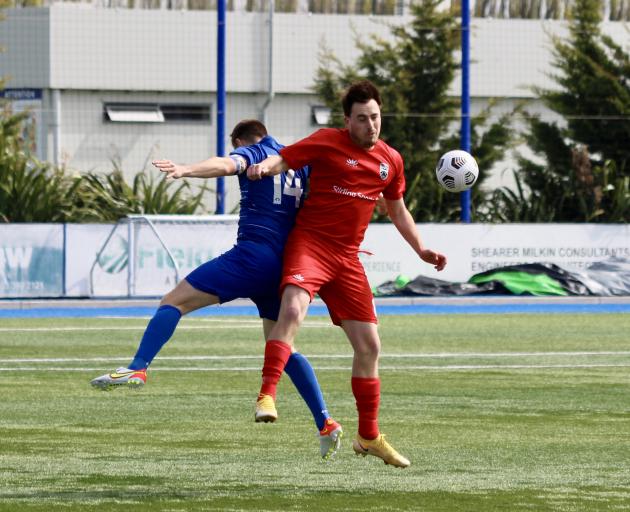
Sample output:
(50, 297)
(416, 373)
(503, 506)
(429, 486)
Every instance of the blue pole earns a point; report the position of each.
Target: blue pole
(464, 197)
(220, 101)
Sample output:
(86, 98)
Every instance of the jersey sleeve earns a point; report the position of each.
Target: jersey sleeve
(305, 151)
(252, 154)
(396, 188)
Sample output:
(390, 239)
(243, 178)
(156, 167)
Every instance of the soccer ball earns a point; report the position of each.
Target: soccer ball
(457, 171)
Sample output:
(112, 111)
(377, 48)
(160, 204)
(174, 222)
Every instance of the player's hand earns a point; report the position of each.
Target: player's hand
(381, 205)
(436, 259)
(256, 172)
(171, 169)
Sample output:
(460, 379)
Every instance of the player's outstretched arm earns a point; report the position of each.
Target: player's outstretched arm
(211, 168)
(270, 166)
(406, 226)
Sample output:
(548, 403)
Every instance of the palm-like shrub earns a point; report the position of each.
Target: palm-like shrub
(159, 195)
(108, 197)
(30, 191)
(34, 191)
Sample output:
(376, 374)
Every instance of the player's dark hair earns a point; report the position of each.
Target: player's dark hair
(248, 130)
(359, 92)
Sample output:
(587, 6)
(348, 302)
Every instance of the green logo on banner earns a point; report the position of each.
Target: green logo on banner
(115, 257)
(31, 271)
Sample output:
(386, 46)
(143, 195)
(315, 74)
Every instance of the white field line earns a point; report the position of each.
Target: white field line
(230, 320)
(219, 320)
(448, 367)
(344, 368)
(184, 327)
(122, 328)
(439, 355)
(190, 318)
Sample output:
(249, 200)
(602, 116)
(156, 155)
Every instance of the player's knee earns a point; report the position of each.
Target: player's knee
(170, 299)
(175, 301)
(368, 349)
(291, 314)
(166, 302)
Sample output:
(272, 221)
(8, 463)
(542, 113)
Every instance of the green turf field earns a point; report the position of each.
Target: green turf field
(496, 412)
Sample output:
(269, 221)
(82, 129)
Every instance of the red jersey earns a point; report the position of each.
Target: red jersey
(345, 182)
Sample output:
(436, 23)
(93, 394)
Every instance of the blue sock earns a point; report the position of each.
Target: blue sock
(157, 333)
(304, 379)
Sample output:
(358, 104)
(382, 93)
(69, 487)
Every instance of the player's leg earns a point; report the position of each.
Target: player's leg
(215, 281)
(303, 376)
(208, 284)
(279, 347)
(304, 272)
(301, 373)
(302, 275)
(293, 308)
(268, 325)
(366, 387)
(183, 299)
(350, 303)
(180, 301)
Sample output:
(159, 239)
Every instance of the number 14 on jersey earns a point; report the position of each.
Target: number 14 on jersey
(292, 187)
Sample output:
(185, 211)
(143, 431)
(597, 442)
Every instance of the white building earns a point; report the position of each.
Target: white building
(130, 85)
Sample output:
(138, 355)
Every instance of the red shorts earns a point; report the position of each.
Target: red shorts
(338, 278)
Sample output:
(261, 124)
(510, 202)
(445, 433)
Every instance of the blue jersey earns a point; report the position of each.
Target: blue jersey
(269, 205)
(252, 268)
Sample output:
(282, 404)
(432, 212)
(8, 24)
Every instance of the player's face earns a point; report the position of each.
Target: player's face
(364, 123)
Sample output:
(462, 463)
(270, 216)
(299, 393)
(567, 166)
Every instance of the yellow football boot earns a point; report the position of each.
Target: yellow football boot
(381, 449)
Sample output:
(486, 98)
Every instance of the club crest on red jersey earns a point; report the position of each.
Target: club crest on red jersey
(383, 170)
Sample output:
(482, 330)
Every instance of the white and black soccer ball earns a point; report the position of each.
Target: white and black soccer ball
(457, 170)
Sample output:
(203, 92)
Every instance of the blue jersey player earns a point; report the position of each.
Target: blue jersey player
(251, 269)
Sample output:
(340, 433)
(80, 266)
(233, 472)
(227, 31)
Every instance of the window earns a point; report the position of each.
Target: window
(186, 112)
(156, 113)
(133, 113)
(320, 115)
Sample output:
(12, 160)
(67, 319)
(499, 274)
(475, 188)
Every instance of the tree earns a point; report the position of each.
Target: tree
(420, 119)
(585, 171)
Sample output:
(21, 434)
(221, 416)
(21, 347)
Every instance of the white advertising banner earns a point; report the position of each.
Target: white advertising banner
(475, 248)
(32, 255)
(153, 271)
(189, 245)
(31, 260)
(83, 272)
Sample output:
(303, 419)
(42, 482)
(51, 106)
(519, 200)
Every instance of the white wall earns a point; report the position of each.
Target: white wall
(81, 47)
(25, 39)
(93, 55)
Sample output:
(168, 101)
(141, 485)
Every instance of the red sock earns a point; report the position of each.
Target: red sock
(277, 354)
(367, 393)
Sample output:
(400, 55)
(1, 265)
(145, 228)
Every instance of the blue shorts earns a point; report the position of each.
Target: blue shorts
(249, 270)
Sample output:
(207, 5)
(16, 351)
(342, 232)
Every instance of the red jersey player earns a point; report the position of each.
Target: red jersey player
(350, 168)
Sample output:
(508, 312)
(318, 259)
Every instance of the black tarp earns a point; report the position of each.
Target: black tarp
(605, 278)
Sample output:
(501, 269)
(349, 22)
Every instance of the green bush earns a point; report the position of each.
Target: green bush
(109, 197)
(34, 191)
(30, 191)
